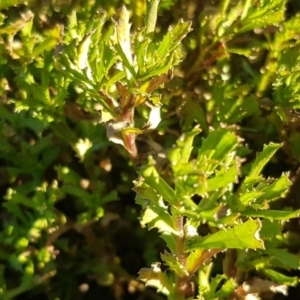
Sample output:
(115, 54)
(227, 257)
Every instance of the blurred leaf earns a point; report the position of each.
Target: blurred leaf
(156, 278)
(279, 277)
(272, 214)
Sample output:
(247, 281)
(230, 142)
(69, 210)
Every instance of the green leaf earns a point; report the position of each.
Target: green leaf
(263, 14)
(223, 179)
(158, 217)
(174, 264)
(179, 156)
(279, 277)
(217, 145)
(246, 198)
(141, 51)
(226, 289)
(275, 190)
(151, 17)
(154, 180)
(262, 159)
(242, 236)
(286, 259)
(19, 198)
(198, 258)
(173, 38)
(156, 278)
(272, 214)
(155, 212)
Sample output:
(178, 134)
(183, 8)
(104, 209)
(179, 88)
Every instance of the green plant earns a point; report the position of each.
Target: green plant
(234, 213)
(115, 79)
(233, 217)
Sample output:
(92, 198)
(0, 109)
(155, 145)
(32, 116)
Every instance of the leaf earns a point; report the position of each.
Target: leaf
(263, 14)
(154, 180)
(14, 26)
(173, 38)
(226, 289)
(141, 52)
(172, 261)
(217, 145)
(157, 217)
(224, 179)
(155, 82)
(19, 198)
(155, 212)
(122, 27)
(198, 258)
(155, 277)
(286, 259)
(195, 110)
(179, 156)
(151, 17)
(246, 198)
(123, 45)
(275, 190)
(242, 236)
(262, 159)
(272, 214)
(157, 70)
(279, 277)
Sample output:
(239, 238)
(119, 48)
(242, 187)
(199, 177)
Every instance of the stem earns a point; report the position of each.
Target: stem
(229, 263)
(180, 281)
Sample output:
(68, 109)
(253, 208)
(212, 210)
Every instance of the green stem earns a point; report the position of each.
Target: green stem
(180, 281)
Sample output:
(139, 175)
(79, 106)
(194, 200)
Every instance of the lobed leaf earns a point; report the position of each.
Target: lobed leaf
(262, 159)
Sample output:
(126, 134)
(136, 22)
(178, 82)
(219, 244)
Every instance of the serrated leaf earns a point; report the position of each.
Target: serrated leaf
(155, 212)
(275, 190)
(173, 38)
(179, 156)
(155, 277)
(154, 180)
(155, 82)
(217, 145)
(123, 45)
(174, 264)
(243, 236)
(141, 51)
(262, 159)
(198, 258)
(224, 179)
(247, 197)
(263, 14)
(157, 70)
(130, 72)
(16, 25)
(272, 214)
(157, 217)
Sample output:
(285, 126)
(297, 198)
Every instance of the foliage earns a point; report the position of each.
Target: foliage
(204, 110)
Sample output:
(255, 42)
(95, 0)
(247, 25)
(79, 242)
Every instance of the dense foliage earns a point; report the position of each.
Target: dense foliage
(179, 116)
